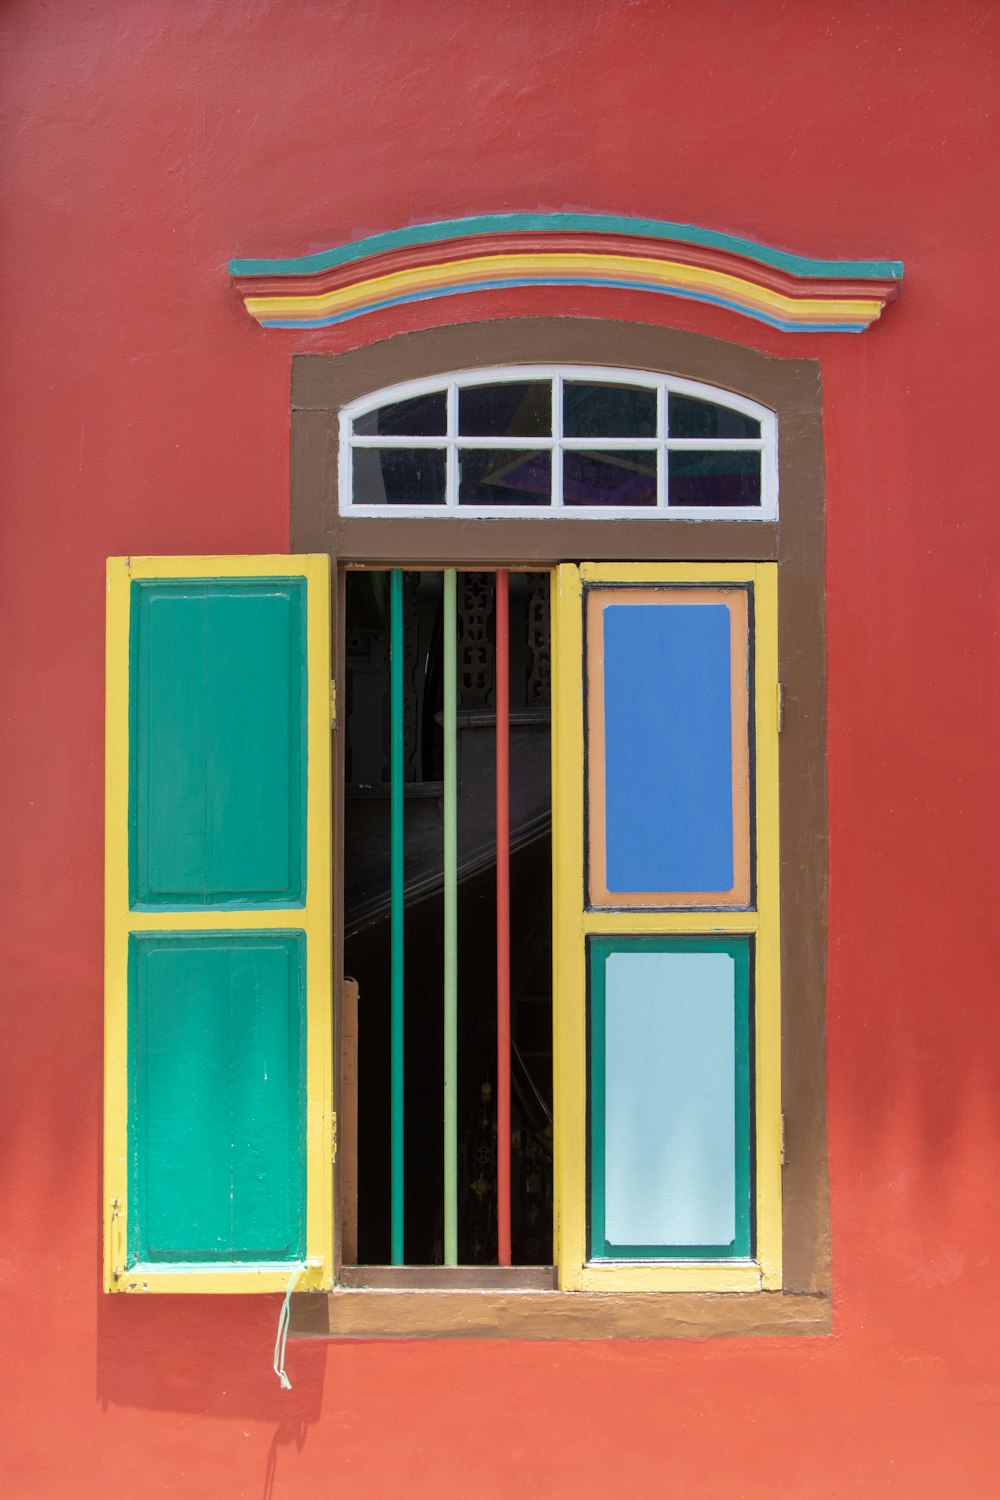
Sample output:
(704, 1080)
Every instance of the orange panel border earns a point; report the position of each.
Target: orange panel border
(737, 601)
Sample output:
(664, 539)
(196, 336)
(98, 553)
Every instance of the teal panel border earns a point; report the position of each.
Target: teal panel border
(488, 224)
(294, 944)
(295, 896)
(599, 950)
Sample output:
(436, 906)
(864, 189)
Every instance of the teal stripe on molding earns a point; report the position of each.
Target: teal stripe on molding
(490, 224)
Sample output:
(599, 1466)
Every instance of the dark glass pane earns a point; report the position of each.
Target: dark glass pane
(420, 416)
(399, 476)
(688, 418)
(504, 476)
(603, 478)
(608, 411)
(718, 478)
(513, 409)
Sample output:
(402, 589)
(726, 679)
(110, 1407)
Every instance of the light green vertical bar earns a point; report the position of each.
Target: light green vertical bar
(450, 930)
(396, 906)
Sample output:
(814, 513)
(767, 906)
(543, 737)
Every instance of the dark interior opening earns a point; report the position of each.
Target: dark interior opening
(367, 912)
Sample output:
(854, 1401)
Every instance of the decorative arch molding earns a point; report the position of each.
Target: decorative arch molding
(422, 262)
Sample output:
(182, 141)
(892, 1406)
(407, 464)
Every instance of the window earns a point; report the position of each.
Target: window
(679, 931)
(574, 441)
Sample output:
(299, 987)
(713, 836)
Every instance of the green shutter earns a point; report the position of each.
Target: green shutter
(218, 1100)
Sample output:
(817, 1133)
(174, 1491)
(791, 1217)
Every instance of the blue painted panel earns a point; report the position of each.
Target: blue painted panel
(217, 1035)
(668, 747)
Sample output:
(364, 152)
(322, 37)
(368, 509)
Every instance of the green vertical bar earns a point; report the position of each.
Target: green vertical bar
(450, 931)
(396, 903)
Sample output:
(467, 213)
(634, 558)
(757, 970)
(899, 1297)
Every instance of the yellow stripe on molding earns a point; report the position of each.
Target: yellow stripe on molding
(667, 274)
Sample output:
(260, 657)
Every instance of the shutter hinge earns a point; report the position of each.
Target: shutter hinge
(333, 704)
(781, 706)
(333, 1135)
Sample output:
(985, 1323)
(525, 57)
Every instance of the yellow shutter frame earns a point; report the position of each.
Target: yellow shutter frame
(573, 923)
(312, 917)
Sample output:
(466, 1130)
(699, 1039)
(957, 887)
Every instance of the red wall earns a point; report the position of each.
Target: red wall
(144, 144)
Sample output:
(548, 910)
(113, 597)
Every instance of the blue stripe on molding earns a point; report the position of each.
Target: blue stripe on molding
(629, 286)
(491, 224)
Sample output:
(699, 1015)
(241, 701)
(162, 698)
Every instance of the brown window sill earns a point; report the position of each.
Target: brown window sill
(450, 1278)
(408, 1313)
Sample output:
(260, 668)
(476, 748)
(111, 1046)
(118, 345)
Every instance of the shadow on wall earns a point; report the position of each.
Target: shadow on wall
(287, 1431)
(211, 1356)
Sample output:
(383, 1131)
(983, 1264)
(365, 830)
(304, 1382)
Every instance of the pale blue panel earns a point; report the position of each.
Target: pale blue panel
(670, 1124)
(668, 747)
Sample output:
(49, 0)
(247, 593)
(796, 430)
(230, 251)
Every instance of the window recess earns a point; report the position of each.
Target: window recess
(447, 920)
(600, 1296)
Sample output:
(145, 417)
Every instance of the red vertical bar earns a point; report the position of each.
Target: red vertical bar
(503, 917)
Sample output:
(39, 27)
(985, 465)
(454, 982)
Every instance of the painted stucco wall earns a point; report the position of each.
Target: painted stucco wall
(143, 144)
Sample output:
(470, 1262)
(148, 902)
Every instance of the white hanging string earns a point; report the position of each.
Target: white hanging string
(283, 1320)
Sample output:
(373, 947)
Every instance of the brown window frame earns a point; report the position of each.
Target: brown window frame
(422, 1302)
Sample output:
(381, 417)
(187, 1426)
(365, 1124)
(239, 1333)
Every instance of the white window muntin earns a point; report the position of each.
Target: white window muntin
(451, 443)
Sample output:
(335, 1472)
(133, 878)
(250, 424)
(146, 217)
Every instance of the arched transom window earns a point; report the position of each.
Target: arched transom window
(578, 440)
